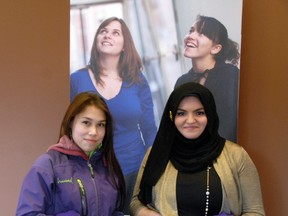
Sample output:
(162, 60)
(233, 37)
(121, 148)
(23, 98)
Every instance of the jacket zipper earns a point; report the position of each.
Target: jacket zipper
(83, 198)
(91, 170)
(93, 181)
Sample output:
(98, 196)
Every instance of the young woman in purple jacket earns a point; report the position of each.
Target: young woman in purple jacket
(79, 175)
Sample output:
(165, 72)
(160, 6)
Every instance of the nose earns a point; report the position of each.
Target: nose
(191, 118)
(107, 35)
(93, 131)
(191, 35)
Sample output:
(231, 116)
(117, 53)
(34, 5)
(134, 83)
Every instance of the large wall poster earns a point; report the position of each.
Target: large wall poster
(158, 28)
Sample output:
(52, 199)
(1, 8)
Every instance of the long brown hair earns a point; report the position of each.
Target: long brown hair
(80, 102)
(130, 64)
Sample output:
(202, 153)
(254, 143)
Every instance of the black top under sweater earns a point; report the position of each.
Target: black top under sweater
(191, 193)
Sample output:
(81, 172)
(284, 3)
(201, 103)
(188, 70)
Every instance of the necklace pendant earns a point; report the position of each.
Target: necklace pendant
(207, 190)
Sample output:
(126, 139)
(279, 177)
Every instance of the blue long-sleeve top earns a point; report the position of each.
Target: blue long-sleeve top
(132, 112)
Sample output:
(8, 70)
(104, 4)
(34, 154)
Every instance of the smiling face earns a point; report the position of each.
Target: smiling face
(88, 128)
(110, 39)
(199, 46)
(190, 118)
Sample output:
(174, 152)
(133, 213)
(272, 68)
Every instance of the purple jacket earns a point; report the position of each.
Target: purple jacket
(65, 182)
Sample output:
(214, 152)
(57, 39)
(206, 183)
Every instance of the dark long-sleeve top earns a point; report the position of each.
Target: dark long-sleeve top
(223, 82)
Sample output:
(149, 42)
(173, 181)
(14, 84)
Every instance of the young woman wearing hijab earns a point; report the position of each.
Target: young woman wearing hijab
(191, 170)
(115, 72)
(214, 64)
(80, 174)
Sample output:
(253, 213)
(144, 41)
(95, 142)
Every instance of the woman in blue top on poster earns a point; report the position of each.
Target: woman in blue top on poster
(114, 72)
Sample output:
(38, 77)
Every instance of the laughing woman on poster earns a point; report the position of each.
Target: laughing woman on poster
(214, 64)
(114, 72)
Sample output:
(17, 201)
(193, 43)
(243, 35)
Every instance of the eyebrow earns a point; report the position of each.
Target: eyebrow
(115, 29)
(199, 109)
(87, 118)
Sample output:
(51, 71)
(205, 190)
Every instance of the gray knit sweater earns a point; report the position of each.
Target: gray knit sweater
(240, 185)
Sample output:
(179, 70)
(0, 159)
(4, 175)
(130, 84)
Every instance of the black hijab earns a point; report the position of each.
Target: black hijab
(187, 155)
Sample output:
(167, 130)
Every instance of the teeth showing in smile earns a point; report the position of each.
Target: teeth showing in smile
(106, 44)
(191, 45)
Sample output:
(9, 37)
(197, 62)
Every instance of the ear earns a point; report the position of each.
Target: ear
(216, 49)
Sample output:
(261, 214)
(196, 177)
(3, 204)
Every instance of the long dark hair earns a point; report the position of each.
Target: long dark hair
(130, 64)
(80, 102)
(217, 32)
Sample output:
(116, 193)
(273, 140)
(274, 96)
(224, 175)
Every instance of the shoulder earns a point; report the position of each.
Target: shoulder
(232, 147)
(43, 162)
(234, 153)
(142, 81)
(80, 78)
(226, 67)
(230, 159)
(79, 73)
(50, 159)
(56, 156)
(183, 79)
(144, 161)
(186, 75)
(227, 74)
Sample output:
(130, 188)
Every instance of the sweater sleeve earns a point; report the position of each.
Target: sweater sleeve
(147, 121)
(250, 187)
(135, 204)
(240, 180)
